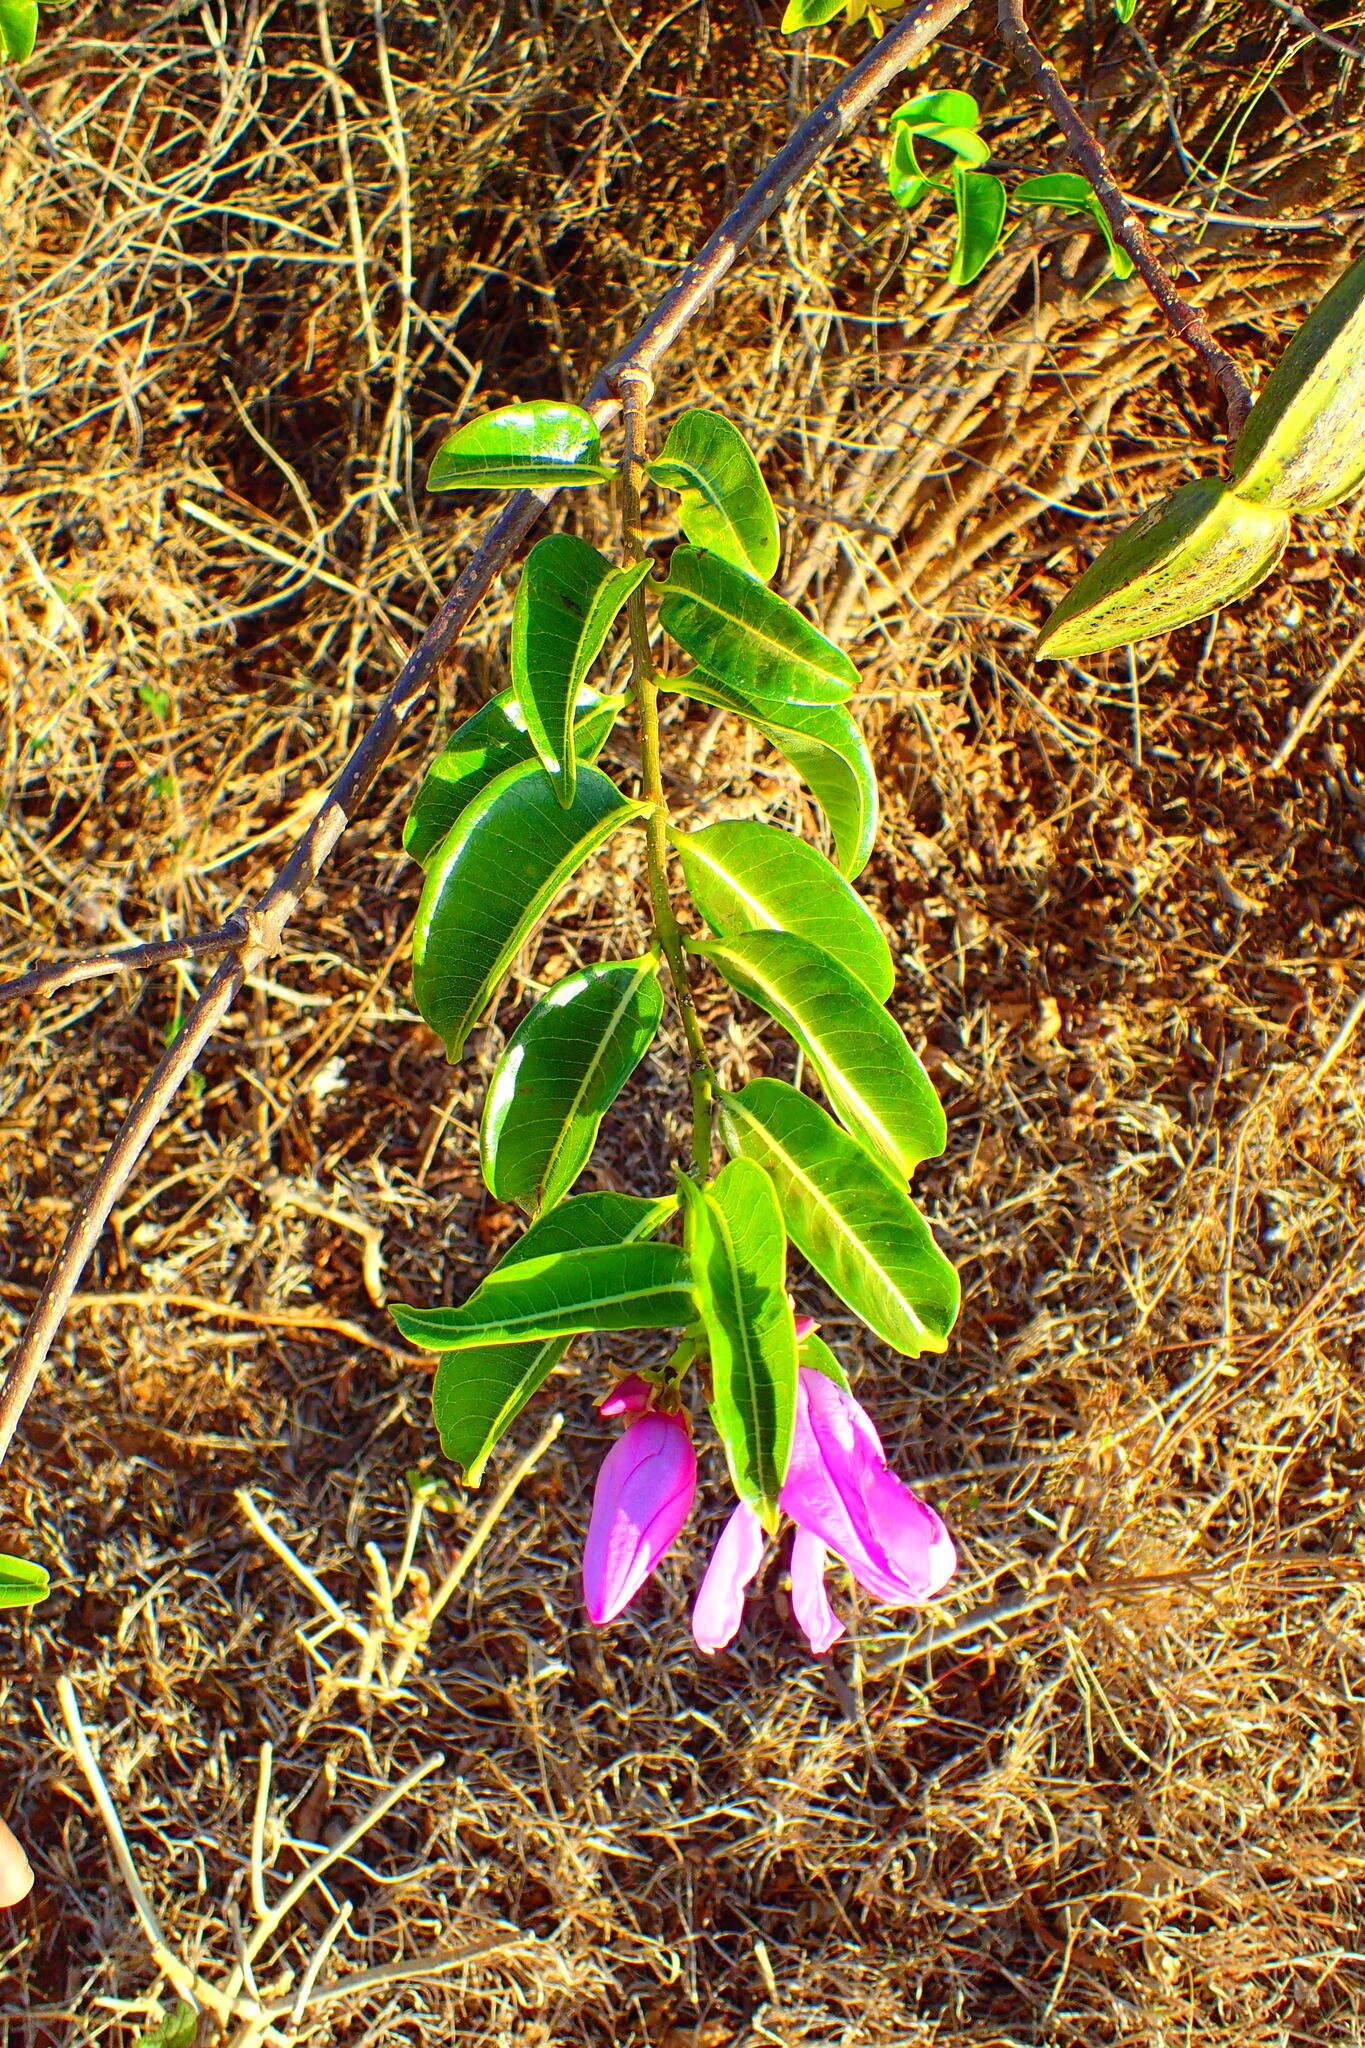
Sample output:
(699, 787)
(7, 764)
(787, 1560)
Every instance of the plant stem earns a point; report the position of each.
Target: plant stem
(1186, 323)
(635, 387)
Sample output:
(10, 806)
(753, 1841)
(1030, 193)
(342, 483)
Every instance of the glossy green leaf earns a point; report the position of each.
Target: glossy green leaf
(495, 875)
(1075, 194)
(567, 602)
(491, 740)
(18, 29)
(747, 876)
(1125, 9)
(930, 110)
(21, 1584)
(865, 1066)
(562, 1294)
(560, 1072)
(980, 202)
(479, 1393)
(809, 14)
(908, 179)
(814, 1355)
(738, 1251)
(725, 502)
(825, 746)
(747, 636)
(847, 1215)
(520, 447)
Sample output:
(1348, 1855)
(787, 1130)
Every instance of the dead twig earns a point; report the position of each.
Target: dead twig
(122, 960)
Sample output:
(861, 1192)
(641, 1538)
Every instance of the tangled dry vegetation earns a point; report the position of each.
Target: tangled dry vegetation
(1108, 1792)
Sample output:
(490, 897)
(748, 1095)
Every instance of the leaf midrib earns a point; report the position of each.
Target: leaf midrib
(643, 970)
(709, 603)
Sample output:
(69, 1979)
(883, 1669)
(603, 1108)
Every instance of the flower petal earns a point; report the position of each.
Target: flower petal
(819, 1623)
(719, 1606)
(629, 1396)
(839, 1488)
(643, 1497)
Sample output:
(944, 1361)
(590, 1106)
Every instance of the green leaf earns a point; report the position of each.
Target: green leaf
(814, 1355)
(738, 1251)
(562, 1294)
(494, 877)
(980, 202)
(479, 1393)
(747, 636)
(491, 740)
(521, 447)
(809, 14)
(825, 746)
(179, 2029)
(1125, 9)
(725, 502)
(931, 110)
(18, 29)
(747, 876)
(1075, 194)
(866, 1068)
(847, 1215)
(21, 1584)
(567, 602)
(560, 1072)
(948, 118)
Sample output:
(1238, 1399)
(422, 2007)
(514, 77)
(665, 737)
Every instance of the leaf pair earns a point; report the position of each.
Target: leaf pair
(952, 121)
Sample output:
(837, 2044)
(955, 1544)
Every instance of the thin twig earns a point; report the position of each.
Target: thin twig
(1185, 322)
(1307, 717)
(122, 960)
(837, 115)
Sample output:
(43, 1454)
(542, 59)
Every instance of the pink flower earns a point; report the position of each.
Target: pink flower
(630, 1396)
(643, 1497)
(805, 1327)
(843, 1498)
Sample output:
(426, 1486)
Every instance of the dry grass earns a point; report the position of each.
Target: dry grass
(1107, 1793)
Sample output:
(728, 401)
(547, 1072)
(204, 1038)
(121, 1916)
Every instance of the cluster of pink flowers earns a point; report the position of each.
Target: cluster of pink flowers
(839, 1491)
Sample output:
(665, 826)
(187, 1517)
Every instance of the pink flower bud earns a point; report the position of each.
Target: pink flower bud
(819, 1623)
(630, 1396)
(805, 1327)
(719, 1606)
(839, 1489)
(643, 1497)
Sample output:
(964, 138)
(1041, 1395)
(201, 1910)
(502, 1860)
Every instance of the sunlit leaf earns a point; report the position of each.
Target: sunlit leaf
(809, 14)
(562, 1294)
(865, 1066)
(561, 1071)
(1125, 9)
(479, 1393)
(748, 876)
(847, 1215)
(521, 447)
(930, 110)
(738, 1252)
(494, 876)
(825, 746)
(814, 1355)
(725, 502)
(21, 1584)
(748, 637)
(491, 740)
(567, 602)
(18, 29)
(946, 118)
(1075, 194)
(980, 202)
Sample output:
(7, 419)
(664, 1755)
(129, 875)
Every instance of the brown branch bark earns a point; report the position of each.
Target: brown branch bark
(55, 974)
(1185, 322)
(836, 116)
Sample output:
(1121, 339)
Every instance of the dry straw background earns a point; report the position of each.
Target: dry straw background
(253, 258)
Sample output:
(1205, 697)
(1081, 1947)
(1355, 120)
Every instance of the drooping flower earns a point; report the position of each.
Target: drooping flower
(643, 1496)
(630, 1396)
(843, 1498)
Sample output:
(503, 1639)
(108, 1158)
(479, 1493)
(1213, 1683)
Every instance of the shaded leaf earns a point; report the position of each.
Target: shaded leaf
(479, 1393)
(747, 636)
(825, 746)
(560, 1072)
(725, 502)
(738, 1252)
(865, 1066)
(521, 447)
(491, 740)
(566, 604)
(747, 876)
(980, 202)
(21, 1584)
(1075, 194)
(847, 1215)
(562, 1294)
(179, 2029)
(494, 876)
(814, 1355)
